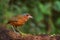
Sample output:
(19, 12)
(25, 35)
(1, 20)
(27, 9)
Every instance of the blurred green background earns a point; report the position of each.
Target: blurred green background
(46, 15)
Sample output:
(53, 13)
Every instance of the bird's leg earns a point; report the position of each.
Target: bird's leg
(14, 29)
(20, 31)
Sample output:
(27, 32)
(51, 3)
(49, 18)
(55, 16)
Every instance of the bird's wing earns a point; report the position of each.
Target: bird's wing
(13, 19)
(16, 18)
(20, 16)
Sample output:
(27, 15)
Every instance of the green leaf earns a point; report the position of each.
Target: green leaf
(58, 21)
(45, 9)
(37, 15)
(56, 5)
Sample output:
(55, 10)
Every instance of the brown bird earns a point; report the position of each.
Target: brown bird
(19, 20)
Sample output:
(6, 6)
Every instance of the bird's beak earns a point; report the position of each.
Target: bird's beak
(30, 17)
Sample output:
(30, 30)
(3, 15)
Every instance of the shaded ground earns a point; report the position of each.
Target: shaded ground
(6, 34)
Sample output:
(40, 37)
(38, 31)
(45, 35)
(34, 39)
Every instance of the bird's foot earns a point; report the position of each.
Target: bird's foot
(23, 34)
(16, 32)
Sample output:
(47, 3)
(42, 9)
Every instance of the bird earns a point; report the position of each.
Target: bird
(19, 21)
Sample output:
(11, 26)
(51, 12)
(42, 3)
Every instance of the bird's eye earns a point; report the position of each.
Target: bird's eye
(27, 15)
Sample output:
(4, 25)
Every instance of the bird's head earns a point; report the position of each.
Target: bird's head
(28, 15)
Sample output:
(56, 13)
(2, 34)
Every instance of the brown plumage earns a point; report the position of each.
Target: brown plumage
(19, 20)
